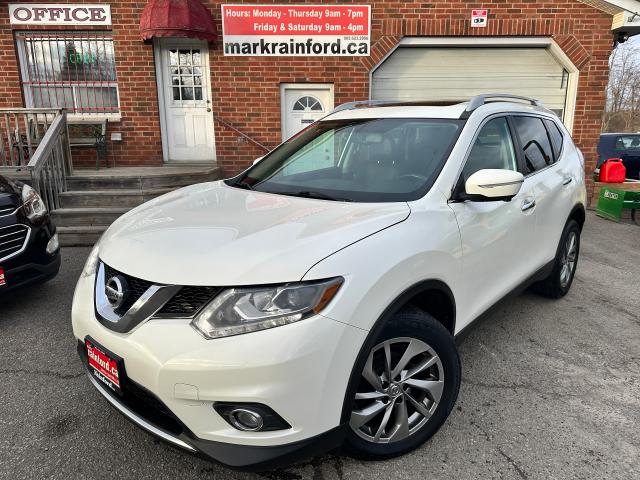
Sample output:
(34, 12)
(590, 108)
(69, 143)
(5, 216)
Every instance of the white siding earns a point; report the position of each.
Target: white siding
(422, 73)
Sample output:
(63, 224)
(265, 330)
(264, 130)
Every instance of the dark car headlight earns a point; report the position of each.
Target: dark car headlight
(33, 206)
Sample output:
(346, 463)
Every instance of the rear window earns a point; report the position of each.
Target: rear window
(628, 142)
(556, 138)
(534, 142)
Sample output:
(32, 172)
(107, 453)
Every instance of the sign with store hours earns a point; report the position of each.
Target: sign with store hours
(296, 30)
(479, 18)
(59, 14)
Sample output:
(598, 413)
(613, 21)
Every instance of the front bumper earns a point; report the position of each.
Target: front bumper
(34, 264)
(300, 370)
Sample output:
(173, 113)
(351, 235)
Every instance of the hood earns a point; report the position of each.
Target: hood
(9, 193)
(214, 234)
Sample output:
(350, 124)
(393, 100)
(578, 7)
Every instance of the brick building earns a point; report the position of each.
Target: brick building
(175, 99)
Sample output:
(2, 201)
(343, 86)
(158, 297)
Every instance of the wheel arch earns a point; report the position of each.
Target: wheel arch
(418, 295)
(579, 214)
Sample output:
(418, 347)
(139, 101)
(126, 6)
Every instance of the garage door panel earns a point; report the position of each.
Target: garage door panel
(437, 73)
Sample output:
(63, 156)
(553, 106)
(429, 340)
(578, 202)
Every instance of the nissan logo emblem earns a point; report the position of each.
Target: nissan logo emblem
(116, 290)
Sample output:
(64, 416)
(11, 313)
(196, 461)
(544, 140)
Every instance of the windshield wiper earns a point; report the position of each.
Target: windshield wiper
(241, 184)
(318, 195)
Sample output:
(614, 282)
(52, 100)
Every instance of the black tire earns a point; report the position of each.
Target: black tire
(409, 323)
(553, 286)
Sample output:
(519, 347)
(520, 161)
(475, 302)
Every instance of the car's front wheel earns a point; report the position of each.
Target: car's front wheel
(407, 388)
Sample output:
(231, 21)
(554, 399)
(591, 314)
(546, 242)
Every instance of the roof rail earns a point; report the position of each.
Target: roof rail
(484, 98)
(394, 103)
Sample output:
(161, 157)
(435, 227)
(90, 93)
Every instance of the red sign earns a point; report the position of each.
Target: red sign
(102, 364)
(305, 30)
(2, 280)
(479, 18)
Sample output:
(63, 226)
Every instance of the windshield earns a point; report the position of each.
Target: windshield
(373, 160)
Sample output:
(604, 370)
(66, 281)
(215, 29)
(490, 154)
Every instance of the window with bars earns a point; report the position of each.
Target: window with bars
(72, 70)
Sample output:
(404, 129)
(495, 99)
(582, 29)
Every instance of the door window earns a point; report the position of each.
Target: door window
(535, 143)
(307, 103)
(493, 148)
(185, 70)
(556, 138)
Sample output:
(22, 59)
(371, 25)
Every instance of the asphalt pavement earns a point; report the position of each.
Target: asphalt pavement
(550, 390)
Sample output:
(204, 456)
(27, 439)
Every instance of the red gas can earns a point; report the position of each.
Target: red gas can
(612, 171)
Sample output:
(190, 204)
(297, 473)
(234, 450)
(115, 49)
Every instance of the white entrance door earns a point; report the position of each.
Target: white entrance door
(186, 100)
(303, 104)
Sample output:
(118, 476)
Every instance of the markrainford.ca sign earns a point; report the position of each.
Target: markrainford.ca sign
(296, 30)
(59, 14)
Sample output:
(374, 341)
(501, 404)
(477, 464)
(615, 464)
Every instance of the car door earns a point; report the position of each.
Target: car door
(550, 180)
(497, 235)
(628, 149)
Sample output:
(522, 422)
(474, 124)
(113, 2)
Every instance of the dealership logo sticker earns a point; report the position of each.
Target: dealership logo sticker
(296, 30)
(479, 18)
(59, 14)
(2, 280)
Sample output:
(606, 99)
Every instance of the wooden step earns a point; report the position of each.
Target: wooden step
(79, 236)
(144, 179)
(109, 198)
(78, 217)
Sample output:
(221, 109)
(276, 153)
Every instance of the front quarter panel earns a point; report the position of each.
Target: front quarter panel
(379, 268)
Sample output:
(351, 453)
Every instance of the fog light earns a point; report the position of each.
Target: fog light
(247, 420)
(53, 245)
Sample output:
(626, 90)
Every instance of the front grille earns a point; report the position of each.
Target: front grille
(12, 240)
(185, 304)
(188, 301)
(6, 211)
(136, 286)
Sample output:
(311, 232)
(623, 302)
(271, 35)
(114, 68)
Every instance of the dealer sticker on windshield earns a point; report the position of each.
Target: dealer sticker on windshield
(104, 367)
(2, 279)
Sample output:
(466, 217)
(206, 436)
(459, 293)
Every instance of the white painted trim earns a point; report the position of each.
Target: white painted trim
(504, 42)
(302, 86)
(157, 60)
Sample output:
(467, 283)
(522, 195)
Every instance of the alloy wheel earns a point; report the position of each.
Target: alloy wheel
(400, 389)
(568, 259)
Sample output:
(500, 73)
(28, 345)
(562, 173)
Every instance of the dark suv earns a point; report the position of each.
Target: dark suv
(621, 145)
(29, 250)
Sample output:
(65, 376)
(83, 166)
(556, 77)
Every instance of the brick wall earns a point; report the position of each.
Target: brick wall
(246, 90)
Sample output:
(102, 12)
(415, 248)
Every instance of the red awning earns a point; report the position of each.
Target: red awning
(177, 18)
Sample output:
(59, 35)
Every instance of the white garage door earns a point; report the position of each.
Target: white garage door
(419, 73)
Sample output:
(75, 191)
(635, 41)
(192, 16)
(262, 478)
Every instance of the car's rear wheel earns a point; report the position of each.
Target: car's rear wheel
(407, 388)
(558, 283)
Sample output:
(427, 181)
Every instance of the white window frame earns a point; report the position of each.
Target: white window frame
(28, 94)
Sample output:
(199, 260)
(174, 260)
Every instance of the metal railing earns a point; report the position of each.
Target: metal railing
(21, 132)
(41, 148)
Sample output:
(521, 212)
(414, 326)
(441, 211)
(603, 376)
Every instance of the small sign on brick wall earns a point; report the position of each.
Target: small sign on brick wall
(479, 18)
(59, 14)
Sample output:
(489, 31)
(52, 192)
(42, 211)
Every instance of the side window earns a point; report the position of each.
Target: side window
(535, 143)
(493, 148)
(630, 142)
(556, 138)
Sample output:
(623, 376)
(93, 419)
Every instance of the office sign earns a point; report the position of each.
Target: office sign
(59, 14)
(296, 30)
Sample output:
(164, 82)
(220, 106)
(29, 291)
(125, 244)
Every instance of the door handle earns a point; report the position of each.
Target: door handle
(528, 204)
(567, 180)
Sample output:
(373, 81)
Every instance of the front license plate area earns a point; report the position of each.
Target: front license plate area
(105, 366)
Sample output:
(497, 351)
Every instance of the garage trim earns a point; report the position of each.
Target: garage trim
(470, 42)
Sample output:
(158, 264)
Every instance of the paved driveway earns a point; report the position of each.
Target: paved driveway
(551, 389)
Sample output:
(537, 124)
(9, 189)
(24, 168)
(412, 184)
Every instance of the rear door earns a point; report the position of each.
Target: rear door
(542, 148)
(628, 149)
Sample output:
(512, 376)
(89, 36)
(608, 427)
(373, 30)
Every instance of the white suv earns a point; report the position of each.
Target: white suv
(313, 300)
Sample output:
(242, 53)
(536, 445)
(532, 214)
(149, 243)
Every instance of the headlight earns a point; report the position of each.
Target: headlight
(91, 264)
(32, 204)
(242, 310)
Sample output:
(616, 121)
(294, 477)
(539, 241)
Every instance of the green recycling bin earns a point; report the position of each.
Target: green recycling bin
(612, 200)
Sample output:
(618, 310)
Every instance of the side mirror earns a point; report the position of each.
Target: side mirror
(257, 160)
(493, 184)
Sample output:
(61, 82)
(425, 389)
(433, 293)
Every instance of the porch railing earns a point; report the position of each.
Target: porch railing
(36, 141)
